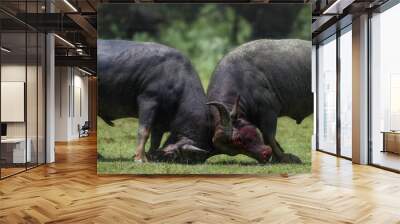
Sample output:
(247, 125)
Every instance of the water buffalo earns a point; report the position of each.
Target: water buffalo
(273, 79)
(159, 86)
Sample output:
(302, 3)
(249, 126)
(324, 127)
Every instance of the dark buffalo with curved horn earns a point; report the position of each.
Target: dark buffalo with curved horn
(159, 86)
(255, 84)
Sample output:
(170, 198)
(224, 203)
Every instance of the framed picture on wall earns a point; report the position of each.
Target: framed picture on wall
(204, 88)
(12, 101)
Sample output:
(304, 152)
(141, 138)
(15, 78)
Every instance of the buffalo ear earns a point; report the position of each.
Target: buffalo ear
(236, 113)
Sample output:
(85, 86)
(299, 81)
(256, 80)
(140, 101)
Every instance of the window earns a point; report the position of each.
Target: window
(22, 87)
(346, 92)
(385, 88)
(327, 95)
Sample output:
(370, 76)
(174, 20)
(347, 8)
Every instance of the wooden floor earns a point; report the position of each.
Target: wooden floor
(70, 191)
(387, 159)
(10, 171)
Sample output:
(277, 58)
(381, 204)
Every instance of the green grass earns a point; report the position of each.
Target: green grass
(116, 147)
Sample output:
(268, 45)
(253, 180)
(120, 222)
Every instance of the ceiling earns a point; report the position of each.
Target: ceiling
(332, 15)
(74, 21)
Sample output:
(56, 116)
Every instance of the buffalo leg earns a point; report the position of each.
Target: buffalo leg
(156, 136)
(147, 111)
(142, 136)
(268, 129)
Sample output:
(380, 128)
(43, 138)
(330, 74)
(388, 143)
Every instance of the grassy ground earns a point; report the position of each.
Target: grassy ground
(116, 147)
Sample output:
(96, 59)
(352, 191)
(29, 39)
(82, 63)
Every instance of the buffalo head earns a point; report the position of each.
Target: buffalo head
(235, 135)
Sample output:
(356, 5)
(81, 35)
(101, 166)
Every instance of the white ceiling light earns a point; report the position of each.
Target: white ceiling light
(79, 51)
(332, 8)
(5, 50)
(338, 6)
(84, 71)
(70, 5)
(65, 41)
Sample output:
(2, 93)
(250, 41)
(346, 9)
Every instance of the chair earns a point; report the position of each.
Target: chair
(84, 130)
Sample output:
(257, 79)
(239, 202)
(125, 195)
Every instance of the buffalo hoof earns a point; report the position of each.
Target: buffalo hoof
(140, 159)
(161, 156)
(290, 158)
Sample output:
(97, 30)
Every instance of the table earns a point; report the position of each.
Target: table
(391, 141)
(13, 150)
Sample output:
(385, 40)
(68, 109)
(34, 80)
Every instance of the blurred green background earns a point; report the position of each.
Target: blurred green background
(204, 33)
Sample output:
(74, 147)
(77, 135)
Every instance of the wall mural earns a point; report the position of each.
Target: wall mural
(204, 89)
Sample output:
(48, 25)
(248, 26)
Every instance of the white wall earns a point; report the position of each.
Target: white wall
(62, 81)
(16, 73)
(33, 126)
(71, 94)
(10, 73)
(80, 94)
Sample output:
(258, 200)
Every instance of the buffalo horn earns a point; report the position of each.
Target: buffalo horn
(193, 149)
(225, 119)
(235, 110)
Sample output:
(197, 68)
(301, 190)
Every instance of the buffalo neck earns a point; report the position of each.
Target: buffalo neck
(193, 117)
